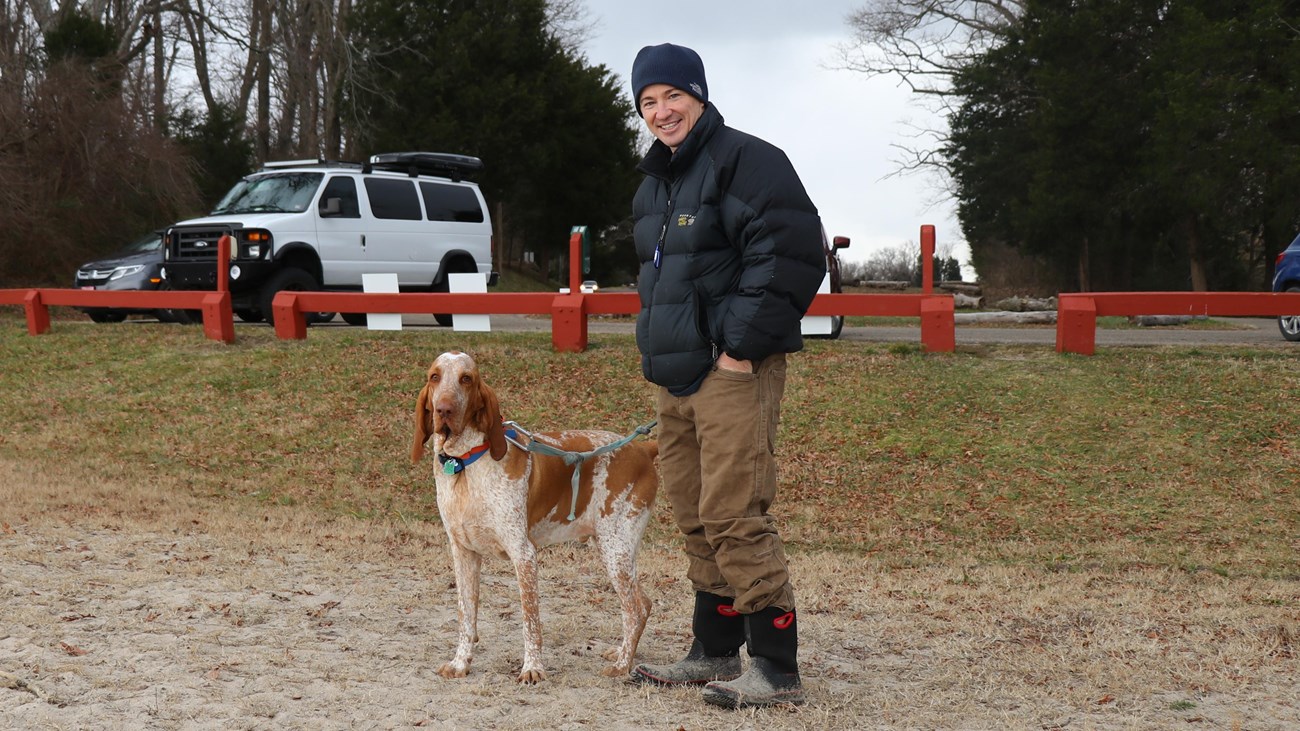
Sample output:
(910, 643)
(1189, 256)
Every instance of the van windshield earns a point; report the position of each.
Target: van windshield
(275, 193)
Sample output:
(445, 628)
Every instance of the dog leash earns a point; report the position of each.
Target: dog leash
(574, 459)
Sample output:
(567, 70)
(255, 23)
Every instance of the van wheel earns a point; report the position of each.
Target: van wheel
(106, 315)
(442, 318)
(357, 319)
(290, 280)
(180, 317)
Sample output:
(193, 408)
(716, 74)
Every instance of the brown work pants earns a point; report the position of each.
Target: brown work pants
(716, 450)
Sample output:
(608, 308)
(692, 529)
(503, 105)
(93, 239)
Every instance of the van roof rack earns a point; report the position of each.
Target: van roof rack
(456, 167)
(293, 163)
(319, 162)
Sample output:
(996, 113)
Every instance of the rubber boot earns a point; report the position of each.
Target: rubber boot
(773, 675)
(715, 652)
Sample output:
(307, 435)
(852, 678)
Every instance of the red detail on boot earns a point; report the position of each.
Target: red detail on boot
(727, 610)
(784, 621)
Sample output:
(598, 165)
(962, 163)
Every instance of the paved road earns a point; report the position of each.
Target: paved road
(1255, 332)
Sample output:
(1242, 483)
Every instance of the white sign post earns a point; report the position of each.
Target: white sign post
(383, 283)
(469, 283)
(818, 324)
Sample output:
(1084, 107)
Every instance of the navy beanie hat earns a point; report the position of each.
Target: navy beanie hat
(677, 66)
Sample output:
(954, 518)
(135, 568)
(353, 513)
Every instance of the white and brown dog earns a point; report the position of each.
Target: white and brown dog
(517, 502)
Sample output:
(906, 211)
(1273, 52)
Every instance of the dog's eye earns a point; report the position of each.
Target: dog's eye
(433, 377)
(467, 379)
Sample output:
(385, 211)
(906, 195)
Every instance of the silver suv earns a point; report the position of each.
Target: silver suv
(320, 225)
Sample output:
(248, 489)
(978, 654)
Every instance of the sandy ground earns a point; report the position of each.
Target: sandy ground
(137, 607)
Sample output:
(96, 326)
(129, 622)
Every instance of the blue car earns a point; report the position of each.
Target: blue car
(1287, 279)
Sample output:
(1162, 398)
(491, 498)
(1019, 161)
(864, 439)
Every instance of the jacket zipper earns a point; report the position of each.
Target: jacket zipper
(663, 233)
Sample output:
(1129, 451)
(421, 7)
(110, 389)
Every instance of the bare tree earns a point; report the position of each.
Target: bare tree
(924, 43)
(570, 23)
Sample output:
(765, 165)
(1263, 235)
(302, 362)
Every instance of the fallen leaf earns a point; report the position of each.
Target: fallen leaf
(72, 649)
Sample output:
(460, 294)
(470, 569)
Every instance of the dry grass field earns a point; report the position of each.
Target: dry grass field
(198, 536)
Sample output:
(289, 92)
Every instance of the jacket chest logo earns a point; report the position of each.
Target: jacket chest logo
(685, 219)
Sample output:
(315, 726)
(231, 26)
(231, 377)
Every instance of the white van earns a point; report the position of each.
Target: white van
(320, 225)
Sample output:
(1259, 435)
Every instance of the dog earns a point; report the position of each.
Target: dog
(498, 499)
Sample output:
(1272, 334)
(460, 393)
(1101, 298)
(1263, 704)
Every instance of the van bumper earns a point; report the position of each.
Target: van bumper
(203, 275)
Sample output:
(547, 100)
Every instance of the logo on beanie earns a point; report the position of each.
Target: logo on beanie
(696, 88)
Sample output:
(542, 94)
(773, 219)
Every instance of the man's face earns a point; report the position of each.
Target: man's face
(669, 112)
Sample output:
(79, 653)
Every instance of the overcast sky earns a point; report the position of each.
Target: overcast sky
(769, 69)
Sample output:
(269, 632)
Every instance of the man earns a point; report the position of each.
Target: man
(731, 258)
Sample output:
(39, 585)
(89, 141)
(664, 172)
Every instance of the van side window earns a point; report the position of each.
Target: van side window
(344, 188)
(393, 199)
(451, 203)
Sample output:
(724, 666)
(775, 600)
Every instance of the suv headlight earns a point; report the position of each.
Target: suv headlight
(120, 272)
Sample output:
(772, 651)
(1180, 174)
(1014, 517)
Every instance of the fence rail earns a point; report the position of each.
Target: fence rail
(1076, 322)
(1077, 313)
(569, 312)
(215, 306)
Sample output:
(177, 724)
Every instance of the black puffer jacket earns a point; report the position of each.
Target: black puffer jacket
(730, 249)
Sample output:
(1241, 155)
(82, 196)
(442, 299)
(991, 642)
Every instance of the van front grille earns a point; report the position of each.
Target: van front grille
(196, 244)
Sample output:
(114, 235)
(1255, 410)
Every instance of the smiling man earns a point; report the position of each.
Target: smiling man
(731, 258)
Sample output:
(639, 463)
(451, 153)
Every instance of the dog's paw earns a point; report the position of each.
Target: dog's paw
(454, 669)
(532, 676)
(617, 670)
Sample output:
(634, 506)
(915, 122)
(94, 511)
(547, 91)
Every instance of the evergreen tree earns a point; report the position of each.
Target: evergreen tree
(1141, 145)
(219, 146)
(486, 78)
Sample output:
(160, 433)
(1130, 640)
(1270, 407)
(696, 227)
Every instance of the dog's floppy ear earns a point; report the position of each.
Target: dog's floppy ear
(423, 424)
(490, 421)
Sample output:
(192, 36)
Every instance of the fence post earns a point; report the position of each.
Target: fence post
(218, 322)
(38, 315)
(938, 325)
(1076, 324)
(290, 324)
(575, 258)
(223, 263)
(569, 311)
(569, 323)
(927, 259)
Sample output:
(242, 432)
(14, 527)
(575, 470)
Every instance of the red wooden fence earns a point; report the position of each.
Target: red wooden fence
(568, 311)
(1077, 313)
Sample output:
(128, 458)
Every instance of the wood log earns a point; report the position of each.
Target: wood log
(969, 288)
(1040, 317)
(1163, 320)
(1025, 304)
